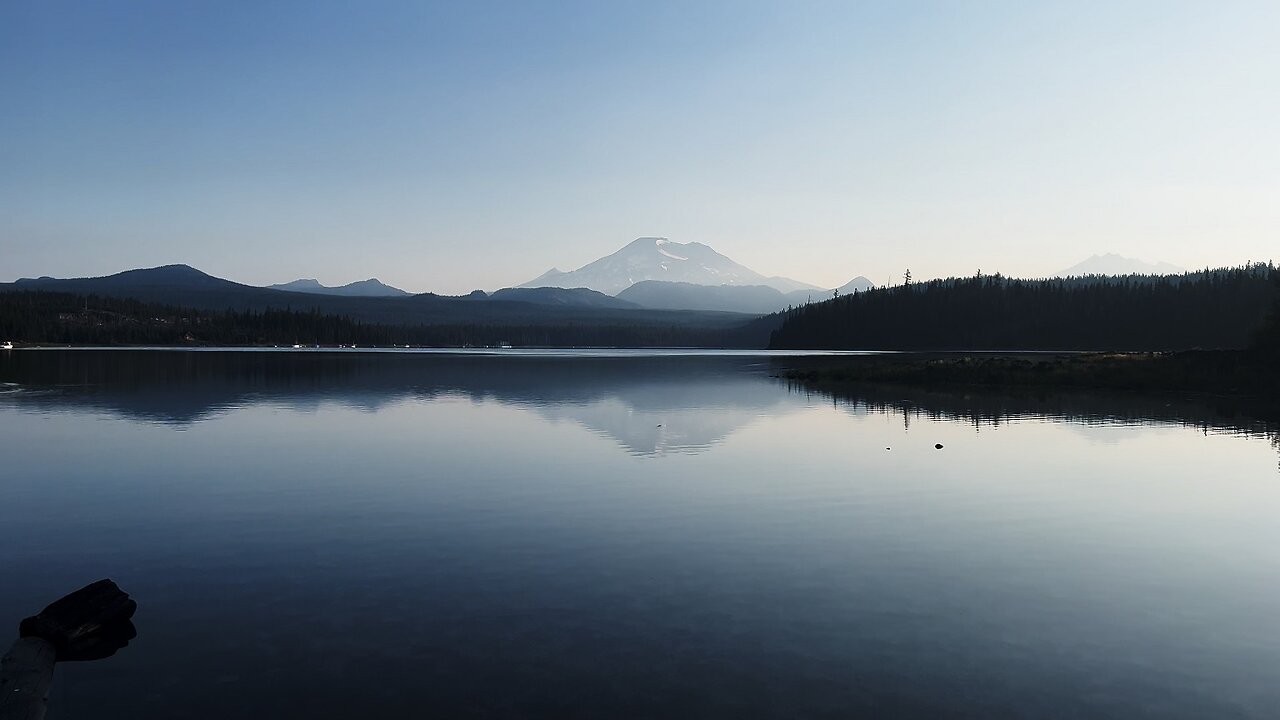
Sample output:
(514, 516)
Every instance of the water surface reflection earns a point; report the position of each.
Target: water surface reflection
(648, 405)
(322, 535)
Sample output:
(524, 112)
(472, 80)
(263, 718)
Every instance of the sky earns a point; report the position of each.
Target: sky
(474, 144)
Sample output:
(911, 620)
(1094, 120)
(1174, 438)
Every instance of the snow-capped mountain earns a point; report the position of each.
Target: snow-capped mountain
(1112, 264)
(660, 259)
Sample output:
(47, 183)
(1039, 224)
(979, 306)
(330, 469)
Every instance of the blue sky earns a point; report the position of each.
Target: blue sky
(450, 146)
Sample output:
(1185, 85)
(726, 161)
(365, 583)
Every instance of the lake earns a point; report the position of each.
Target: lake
(617, 534)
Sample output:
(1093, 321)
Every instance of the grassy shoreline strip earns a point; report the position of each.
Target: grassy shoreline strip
(1217, 371)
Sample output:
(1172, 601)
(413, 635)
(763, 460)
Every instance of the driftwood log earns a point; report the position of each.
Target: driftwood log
(89, 624)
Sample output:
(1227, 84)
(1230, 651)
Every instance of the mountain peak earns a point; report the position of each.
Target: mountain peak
(175, 271)
(1116, 264)
(172, 276)
(659, 258)
(373, 287)
(166, 274)
(858, 284)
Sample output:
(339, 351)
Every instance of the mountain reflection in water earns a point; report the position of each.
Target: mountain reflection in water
(647, 404)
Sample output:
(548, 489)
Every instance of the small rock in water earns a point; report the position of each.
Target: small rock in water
(938, 446)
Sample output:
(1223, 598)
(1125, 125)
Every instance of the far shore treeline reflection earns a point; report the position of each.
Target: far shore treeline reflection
(1254, 416)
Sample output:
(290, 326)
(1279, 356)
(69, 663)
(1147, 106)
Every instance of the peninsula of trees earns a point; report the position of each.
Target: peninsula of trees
(1210, 309)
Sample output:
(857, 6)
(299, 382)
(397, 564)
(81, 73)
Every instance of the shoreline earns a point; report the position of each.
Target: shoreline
(1241, 373)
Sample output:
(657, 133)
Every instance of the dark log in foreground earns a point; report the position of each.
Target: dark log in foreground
(89, 624)
(25, 676)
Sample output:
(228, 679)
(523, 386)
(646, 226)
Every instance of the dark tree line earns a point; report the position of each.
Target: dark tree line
(52, 318)
(1210, 309)
(1267, 338)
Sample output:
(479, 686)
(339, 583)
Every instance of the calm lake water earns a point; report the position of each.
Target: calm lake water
(623, 535)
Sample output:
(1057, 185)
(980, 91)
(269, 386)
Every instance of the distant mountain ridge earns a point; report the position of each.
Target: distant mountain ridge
(717, 284)
(655, 258)
(1113, 264)
(149, 280)
(361, 288)
(176, 277)
(182, 286)
(565, 297)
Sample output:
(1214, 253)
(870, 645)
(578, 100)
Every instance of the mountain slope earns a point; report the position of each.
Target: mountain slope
(148, 282)
(804, 297)
(660, 259)
(573, 297)
(755, 299)
(183, 286)
(363, 288)
(1112, 264)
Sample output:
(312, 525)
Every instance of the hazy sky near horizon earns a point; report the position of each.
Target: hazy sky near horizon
(451, 146)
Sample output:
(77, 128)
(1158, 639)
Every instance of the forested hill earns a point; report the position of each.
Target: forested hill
(1210, 309)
